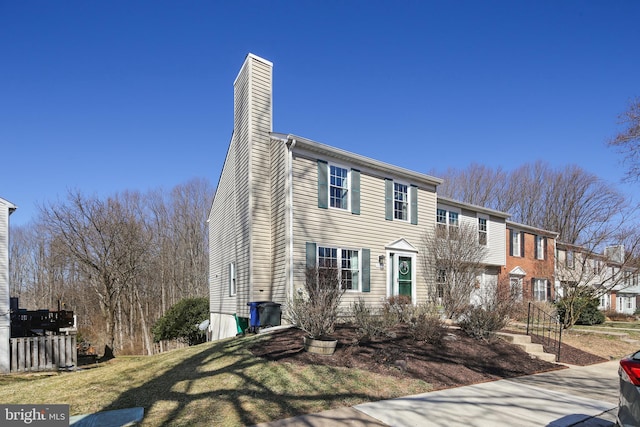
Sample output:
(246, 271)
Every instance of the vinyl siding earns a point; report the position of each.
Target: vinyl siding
(279, 234)
(260, 182)
(336, 227)
(4, 263)
(222, 238)
(495, 235)
(496, 240)
(241, 130)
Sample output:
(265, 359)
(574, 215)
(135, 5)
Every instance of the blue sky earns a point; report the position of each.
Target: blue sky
(111, 96)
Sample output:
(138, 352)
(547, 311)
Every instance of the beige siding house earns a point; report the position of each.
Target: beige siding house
(6, 208)
(284, 203)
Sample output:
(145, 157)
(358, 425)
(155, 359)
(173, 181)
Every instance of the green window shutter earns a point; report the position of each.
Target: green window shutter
(366, 270)
(355, 191)
(311, 255)
(323, 184)
(388, 199)
(535, 246)
(413, 196)
(522, 244)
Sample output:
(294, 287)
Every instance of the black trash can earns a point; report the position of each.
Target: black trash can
(270, 314)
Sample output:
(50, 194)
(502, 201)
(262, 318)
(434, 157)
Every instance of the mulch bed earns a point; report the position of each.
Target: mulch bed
(459, 360)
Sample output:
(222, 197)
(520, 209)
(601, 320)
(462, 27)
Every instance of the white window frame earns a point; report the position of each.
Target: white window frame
(406, 203)
(445, 228)
(339, 263)
(540, 247)
(233, 284)
(515, 242)
(484, 232)
(537, 284)
(330, 185)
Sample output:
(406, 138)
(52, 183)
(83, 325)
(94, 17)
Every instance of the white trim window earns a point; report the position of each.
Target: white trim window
(338, 187)
(233, 286)
(570, 259)
(447, 222)
(540, 289)
(515, 244)
(400, 201)
(540, 247)
(346, 260)
(482, 230)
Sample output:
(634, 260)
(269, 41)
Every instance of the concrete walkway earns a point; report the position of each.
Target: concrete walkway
(578, 396)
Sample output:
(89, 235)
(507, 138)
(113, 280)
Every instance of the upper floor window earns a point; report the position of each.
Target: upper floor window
(570, 261)
(447, 220)
(482, 231)
(516, 243)
(400, 201)
(338, 187)
(540, 247)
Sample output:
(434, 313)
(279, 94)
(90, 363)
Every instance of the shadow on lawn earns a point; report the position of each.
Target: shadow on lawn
(243, 389)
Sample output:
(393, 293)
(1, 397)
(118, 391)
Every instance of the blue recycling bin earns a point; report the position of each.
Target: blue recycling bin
(254, 314)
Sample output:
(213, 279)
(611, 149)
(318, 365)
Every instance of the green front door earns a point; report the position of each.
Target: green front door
(404, 275)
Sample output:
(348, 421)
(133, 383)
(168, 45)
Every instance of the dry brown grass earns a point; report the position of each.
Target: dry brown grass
(609, 346)
(218, 383)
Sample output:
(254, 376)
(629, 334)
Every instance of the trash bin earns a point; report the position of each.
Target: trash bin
(270, 314)
(254, 315)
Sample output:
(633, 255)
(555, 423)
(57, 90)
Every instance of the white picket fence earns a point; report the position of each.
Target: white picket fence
(43, 353)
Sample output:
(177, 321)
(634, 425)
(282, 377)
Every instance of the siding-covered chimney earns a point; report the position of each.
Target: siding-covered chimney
(252, 127)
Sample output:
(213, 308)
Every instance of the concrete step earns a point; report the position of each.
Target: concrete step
(531, 347)
(514, 338)
(524, 342)
(547, 357)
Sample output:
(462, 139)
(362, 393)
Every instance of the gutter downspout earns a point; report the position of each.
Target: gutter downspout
(291, 143)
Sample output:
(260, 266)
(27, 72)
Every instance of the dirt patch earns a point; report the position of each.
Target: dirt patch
(459, 360)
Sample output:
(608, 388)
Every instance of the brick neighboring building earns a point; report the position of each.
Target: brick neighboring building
(530, 265)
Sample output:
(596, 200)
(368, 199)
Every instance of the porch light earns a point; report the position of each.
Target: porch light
(381, 261)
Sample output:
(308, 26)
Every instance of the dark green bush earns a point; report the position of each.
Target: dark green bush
(181, 322)
(580, 311)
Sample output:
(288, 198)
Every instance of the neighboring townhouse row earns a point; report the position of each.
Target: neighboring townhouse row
(609, 272)
(530, 266)
(285, 203)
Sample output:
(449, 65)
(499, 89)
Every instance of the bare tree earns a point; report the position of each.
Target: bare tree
(627, 142)
(104, 237)
(578, 205)
(587, 273)
(455, 261)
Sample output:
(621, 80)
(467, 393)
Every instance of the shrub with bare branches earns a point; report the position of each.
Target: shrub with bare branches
(315, 310)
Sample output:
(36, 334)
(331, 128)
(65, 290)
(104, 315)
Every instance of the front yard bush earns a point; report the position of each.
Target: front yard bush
(482, 323)
(427, 326)
(583, 310)
(369, 321)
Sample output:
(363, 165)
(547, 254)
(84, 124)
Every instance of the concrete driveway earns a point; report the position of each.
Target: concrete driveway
(578, 396)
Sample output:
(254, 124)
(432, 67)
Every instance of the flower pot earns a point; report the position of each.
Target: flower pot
(324, 346)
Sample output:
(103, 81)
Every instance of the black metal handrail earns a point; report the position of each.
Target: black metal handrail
(545, 326)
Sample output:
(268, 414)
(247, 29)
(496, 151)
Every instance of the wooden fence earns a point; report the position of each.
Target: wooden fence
(44, 353)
